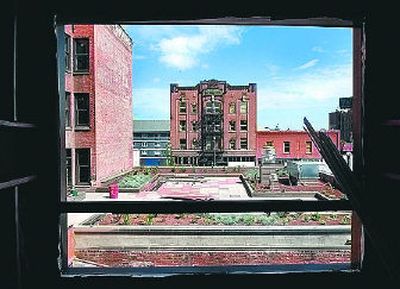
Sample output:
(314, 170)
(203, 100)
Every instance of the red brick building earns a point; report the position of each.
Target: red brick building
(291, 144)
(98, 104)
(213, 123)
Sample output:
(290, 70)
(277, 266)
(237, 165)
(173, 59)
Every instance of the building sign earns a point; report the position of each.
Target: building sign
(212, 91)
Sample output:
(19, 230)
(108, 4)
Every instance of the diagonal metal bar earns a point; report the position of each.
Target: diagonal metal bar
(350, 186)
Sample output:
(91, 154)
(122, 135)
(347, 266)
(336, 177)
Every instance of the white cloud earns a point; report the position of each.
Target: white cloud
(308, 64)
(183, 51)
(306, 89)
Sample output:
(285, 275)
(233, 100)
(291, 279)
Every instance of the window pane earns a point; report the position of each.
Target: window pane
(67, 52)
(243, 107)
(82, 166)
(82, 62)
(67, 109)
(82, 109)
(83, 117)
(81, 54)
(68, 166)
(81, 46)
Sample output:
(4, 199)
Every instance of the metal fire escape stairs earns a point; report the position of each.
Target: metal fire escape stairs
(211, 130)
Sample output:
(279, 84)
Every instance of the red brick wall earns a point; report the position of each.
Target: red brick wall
(191, 97)
(232, 95)
(113, 103)
(251, 117)
(82, 83)
(297, 141)
(126, 258)
(109, 84)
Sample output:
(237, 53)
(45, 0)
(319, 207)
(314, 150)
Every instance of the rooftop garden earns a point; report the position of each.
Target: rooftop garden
(272, 219)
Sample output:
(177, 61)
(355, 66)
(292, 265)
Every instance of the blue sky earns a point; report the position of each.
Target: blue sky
(299, 71)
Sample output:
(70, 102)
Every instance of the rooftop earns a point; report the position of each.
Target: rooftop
(151, 126)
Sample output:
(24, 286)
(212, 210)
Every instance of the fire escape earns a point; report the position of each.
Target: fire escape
(211, 130)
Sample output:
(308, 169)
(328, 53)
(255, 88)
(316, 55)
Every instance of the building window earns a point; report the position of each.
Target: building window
(82, 166)
(182, 106)
(194, 125)
(286, 147)
(194, 143)
(268, 144)
(243, 125)
(68, 166)
(209, 144)
(232, 125)
(67, 109)
(81, 55)
(243, 143)
(232, 144)
(67, 54)
(232, 107)
(243, 107)
(213, 107)
(82, 109)
(308, 147)
(194, 108)
(182, 125)
(182, 144)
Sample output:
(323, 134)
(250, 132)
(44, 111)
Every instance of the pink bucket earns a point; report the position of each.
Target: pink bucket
(113, 191)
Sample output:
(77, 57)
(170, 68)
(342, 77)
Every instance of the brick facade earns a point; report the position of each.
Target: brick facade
(108, 82)
(188, 105)
(297, 140)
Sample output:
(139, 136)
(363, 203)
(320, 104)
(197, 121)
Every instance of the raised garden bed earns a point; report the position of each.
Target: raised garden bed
(277, 219)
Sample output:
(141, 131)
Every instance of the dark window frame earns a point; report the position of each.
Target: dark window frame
(67, 110)
(309, 147)
(67, 51)
(142, 207)
(182, 125)
(80, 110)
(79, 166)
(183, 144)
(182, 107)
(232, 124)
(286, 147)
(244, 107)
(232, 142)
(242, 140)
(68, 166)
(244, 127)
(78, 55)
(193, 108)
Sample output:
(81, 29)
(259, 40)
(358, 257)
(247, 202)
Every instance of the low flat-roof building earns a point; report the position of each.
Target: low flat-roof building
(151, 138)
(291, 144)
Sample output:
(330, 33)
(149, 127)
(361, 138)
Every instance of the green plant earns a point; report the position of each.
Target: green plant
(315, 217)
(150, 218)
(125, 219)
(74, 192)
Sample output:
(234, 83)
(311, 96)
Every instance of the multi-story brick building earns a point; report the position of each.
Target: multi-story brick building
(213, 123)
(98, 102)
(291, 144)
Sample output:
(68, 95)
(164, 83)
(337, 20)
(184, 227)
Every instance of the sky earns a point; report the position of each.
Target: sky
(299, 71)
